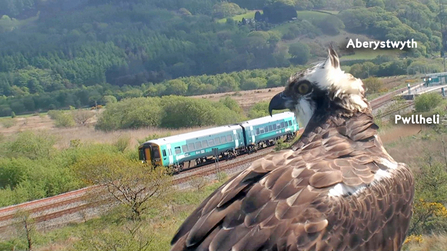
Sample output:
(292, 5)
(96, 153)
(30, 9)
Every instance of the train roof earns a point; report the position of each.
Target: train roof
(195, 134)
(267, 119)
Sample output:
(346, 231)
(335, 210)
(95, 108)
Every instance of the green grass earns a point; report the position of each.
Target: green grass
(26, 115)
(250, 14)
(369, 54)
(283, 28)
(311, 16)
(333, 12)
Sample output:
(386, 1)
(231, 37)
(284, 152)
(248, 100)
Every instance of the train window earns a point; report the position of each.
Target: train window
(274, 127)
(257, 131)
(270, 128)
(261, 130)
(155, 153)
(229, 138)
(282, 124)
(164, 153)
(211, 142)
(185, 148)
(177, 150)
(266, 129)
(217, 140)
(204, 143)
(222, 139)
(191, 147)
(198, 145)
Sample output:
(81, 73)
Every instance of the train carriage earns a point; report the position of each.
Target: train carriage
(178, 149)
(230, 141)
(266, 130)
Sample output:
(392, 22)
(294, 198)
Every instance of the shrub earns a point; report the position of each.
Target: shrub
(31, 145)
(426, 102)
(188, 112)
(131, 113)
(54, 113)
(373, 85)
(64, 119)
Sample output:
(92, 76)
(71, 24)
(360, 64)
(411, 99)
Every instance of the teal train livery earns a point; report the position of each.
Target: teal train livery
(199, 147)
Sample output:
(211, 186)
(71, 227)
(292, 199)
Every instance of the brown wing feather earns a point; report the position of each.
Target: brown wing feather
(282, 201)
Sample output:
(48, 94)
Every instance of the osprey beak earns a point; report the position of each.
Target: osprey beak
(278, 102)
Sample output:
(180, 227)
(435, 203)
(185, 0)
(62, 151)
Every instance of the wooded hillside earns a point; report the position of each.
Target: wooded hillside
(74, 52)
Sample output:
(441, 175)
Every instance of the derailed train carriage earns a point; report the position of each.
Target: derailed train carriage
(196, 148)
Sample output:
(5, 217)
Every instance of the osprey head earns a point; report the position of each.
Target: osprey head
(324, 86)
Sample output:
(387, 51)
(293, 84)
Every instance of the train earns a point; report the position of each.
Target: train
(224, 142)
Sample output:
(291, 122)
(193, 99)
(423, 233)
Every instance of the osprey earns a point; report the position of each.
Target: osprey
(336, 188)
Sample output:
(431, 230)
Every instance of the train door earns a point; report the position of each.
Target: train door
(236, 139)
(252, 134)
(143, 152)
(169, 153)
(147, 153)
(244, 135)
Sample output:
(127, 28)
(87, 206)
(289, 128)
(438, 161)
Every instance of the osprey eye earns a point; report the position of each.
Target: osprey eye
(303, 87)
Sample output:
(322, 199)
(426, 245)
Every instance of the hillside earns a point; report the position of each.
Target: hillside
(56, 54)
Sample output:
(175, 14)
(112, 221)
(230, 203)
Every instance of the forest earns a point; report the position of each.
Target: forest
(56, 54)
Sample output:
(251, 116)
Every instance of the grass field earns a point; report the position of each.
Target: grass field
(249, 14)
(369, 54)
(311, 16)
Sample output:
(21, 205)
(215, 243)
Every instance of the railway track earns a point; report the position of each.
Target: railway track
(382, 100)
(387, 113)
(74, 206)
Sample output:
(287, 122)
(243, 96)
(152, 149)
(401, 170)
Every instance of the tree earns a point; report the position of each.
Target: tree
(279, 11)
(81, 116)
(226, 9)
(136, 185)
(274, 81)
(373, 3)
(331, 25)
(253, 83)
(176, 87)
(184, 12)
(26, 223)
(300, 53)
(109, 99)
(258, 16)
